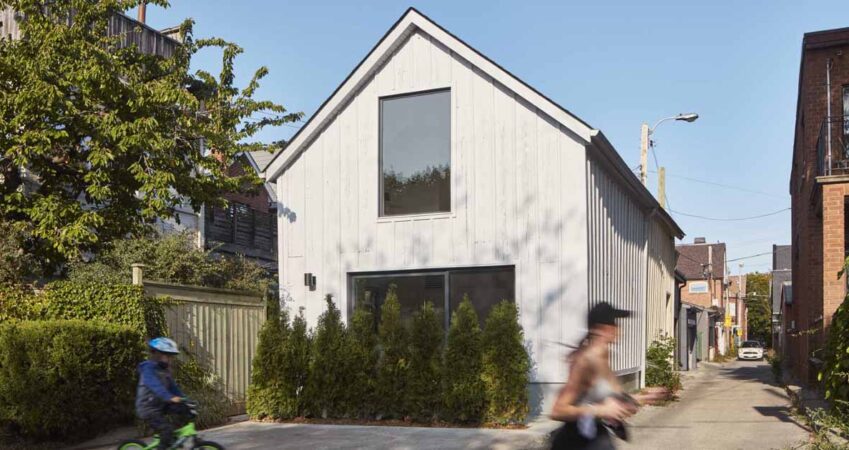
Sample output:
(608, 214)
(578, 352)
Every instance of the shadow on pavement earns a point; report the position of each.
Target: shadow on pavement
(760, 373)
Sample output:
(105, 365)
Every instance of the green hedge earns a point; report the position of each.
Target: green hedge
(67, 380)
(835, 372)
(114, 303)
(403, 370)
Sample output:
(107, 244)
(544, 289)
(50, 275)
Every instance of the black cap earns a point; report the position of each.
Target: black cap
(604, 314)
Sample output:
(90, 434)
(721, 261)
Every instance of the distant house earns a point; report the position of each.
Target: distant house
(247, 226)
(735, 287)
(703, 267)
(434, 170)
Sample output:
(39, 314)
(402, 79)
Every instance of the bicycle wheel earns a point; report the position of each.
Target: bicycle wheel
(207, 445)
(132, 444)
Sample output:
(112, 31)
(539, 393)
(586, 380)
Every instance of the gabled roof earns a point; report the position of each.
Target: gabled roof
(406, 25)
(258, 160)
(693, 260)
(413, 20)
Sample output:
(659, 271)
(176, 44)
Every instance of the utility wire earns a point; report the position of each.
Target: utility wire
(654, 155)
(727, 186)
(747, 257)
(723, 219)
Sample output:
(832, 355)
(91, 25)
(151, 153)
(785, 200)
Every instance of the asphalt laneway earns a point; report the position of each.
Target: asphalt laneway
(733, 406)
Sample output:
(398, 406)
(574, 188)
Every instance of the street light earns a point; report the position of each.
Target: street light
(645, 142)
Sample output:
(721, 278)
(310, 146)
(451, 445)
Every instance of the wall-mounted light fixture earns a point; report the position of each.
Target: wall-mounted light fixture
(309, 280)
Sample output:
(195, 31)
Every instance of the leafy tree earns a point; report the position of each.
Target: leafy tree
(506, 365)
(16, 265)
(98, 140)
(393, 367)
(424, 391)
(172, 258)
(364, 357)
(465, 392)
(330, 373)
(759, 307)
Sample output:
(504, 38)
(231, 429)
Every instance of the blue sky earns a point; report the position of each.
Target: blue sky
(615, 64)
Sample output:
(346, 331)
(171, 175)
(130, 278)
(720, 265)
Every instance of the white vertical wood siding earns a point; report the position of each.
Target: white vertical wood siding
(617, 239)
(660, 294)
(518, 198)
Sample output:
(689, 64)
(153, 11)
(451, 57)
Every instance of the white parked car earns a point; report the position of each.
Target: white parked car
(750, 350)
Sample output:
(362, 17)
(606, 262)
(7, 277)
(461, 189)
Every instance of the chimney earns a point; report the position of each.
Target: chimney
(699, 240)
(142, 12)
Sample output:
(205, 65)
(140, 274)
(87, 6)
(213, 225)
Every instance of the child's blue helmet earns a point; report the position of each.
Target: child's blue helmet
(164, 345)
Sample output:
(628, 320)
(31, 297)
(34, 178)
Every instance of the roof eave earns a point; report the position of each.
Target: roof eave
(607, 154)
(408, 23)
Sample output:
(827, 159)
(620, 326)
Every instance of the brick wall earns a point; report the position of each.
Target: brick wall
(818, 209)
(258, 200)
(715, 290)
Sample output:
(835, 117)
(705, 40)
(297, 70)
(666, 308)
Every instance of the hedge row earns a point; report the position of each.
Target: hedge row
(66, 379)
(406, 371)
(114, 303)
(62, 304)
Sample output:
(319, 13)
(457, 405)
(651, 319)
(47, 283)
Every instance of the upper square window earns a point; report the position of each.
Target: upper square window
(415, 153)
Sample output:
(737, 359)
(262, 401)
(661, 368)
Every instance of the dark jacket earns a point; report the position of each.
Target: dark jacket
(156, 388)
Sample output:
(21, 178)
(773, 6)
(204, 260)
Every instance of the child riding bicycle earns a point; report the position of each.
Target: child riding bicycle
(159, 401)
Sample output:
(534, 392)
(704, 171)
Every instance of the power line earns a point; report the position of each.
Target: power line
(750, 256)
(654, 155)
(723, 219)
(727, 186)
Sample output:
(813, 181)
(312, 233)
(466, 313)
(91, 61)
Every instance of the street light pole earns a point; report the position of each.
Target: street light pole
(645, 143)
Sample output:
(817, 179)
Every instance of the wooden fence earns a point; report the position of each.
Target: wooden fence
(218, 326)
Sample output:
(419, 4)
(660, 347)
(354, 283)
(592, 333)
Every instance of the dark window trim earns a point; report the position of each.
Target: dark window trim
(380, 192)
(445, 271)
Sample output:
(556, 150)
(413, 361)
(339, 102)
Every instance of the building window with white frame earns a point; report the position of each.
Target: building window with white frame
(698, 287)
(415, 153)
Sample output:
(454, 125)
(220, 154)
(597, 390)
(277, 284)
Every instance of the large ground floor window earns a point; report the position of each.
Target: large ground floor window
(445, 288)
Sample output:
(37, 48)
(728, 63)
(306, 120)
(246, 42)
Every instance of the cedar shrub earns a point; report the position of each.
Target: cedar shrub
(393, 366)
(465, 392)
(424, 391)
(330, 370)
(364, 357)
(506, 365)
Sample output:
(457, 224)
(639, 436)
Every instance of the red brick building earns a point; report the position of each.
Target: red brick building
(819, 186)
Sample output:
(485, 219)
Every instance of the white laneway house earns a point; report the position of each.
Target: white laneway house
(434, 169)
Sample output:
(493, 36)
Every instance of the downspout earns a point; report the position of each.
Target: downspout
(828, 114)
(644, 334)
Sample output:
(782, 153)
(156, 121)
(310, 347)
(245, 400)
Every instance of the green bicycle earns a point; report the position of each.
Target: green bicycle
(186, 437)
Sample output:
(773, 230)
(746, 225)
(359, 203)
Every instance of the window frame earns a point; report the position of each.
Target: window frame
(446, 287)
(700, 283)
(381, 215)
